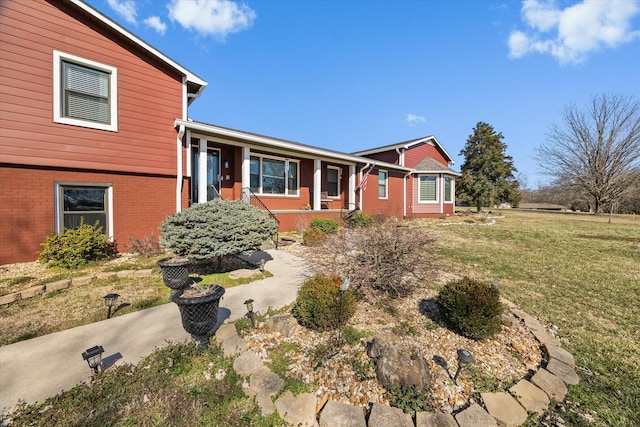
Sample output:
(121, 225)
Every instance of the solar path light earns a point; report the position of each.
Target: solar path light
(93, 356)
(110, 300)
(249, 304)
(464, 358)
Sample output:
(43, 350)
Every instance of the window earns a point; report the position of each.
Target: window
(333, 181)
(84, 93)
(427, 189)
(448, 189)
(77, 202)
(269, 175)
(382, 184)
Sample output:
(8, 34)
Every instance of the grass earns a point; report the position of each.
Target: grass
(174, 386)
(579, 274)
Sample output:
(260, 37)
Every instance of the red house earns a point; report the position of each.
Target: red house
(94, 125)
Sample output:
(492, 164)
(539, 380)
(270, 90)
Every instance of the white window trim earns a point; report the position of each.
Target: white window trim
(339, 170)
(453, 188)
(58, 204)
(286, 177)
(437, 200)
(386, 184)
(58, 117)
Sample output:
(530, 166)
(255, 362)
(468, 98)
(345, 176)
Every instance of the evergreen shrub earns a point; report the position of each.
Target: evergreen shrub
(215, 229)
(326, 225)
(75, 247)
(471, 308)
(313, 236)
(321, 305)
(359, 219)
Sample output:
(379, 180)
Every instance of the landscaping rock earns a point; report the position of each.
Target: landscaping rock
(562, 355)
(508, 320)
(126, 273)
(58, 285)
(397, 368)
(225, 331)
(504, 408)
(9, 298)
(299, 410)
(105, 275)
(385, 416)
(531, 397)
(545, 338)
(285, 324)
(143, 273)
(435, 419)
(264, 384)
(336, 414)
(247, 363)
(32, 291)
(233, 345)
(81, 281)
(550, 384)
(475, 416)
(565, 372)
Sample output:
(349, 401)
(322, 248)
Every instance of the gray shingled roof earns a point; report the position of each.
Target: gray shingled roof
(431, 165)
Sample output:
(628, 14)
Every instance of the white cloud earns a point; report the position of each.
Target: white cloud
(125, 9)
(572, 33)
(156, 23)
(414, 120)
(217, 18)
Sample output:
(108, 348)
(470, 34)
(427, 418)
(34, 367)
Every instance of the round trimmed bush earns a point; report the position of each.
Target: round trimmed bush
(471, 308)
(321, 305)
(326, 225)
(75, 247)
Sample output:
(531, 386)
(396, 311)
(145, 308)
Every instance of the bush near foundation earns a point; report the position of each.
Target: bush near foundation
(215, 229)
(75, 247)
(326, 225)
(321, 305)
(471, 308)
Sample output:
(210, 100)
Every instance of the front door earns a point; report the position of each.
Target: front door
(206, 168)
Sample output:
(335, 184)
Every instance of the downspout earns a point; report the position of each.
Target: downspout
(401, 155)
(179, 177)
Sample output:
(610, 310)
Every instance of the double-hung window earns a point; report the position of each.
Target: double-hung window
(84, 92)
(383, 187)
(88, 203)
(333, 181)
(270, 175)
(448, 189)
(427, 188)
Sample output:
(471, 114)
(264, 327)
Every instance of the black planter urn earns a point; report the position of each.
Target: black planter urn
(175, 272)
(199, 312)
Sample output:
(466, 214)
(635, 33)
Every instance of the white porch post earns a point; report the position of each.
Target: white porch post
(352, 187)
(179, 170)
(202, 171)
(246, 168)
(317, 185)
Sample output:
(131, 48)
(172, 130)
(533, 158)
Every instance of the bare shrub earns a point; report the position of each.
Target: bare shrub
(147, 246)
(388, 258)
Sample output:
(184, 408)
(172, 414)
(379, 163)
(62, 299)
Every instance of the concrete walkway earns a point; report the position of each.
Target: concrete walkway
(39, 368)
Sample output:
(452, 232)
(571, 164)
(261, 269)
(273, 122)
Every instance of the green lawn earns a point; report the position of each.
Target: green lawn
(578, 273)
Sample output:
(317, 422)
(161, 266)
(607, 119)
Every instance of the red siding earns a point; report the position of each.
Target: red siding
(140, 204)
(389, 207)
(149, 96)
(418, 152)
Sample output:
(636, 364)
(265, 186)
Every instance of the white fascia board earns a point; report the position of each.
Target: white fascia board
(279, 144)
(434, 172)
(102, 18)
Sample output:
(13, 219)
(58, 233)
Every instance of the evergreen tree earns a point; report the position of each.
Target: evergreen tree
(487, 172)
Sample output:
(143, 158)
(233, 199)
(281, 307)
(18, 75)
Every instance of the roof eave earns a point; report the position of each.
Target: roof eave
(190, 76)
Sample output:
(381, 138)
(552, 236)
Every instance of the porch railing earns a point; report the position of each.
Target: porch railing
(250, 197)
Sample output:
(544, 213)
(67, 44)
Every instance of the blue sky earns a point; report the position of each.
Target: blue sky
(355, 74)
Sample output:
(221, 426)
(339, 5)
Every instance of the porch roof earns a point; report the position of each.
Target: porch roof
(238, 137)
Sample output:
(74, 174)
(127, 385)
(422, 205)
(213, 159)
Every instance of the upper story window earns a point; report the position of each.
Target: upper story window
(448, 189)
(427, 188)
(270, 175)
(85, 92)
(333, 181)
(383, 187)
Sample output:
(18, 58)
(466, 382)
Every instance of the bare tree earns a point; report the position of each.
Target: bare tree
(596, 150)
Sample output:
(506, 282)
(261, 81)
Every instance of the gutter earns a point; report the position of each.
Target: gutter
(180, 174)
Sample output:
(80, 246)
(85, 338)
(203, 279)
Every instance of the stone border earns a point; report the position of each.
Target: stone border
(68, 283)
(503, 409)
